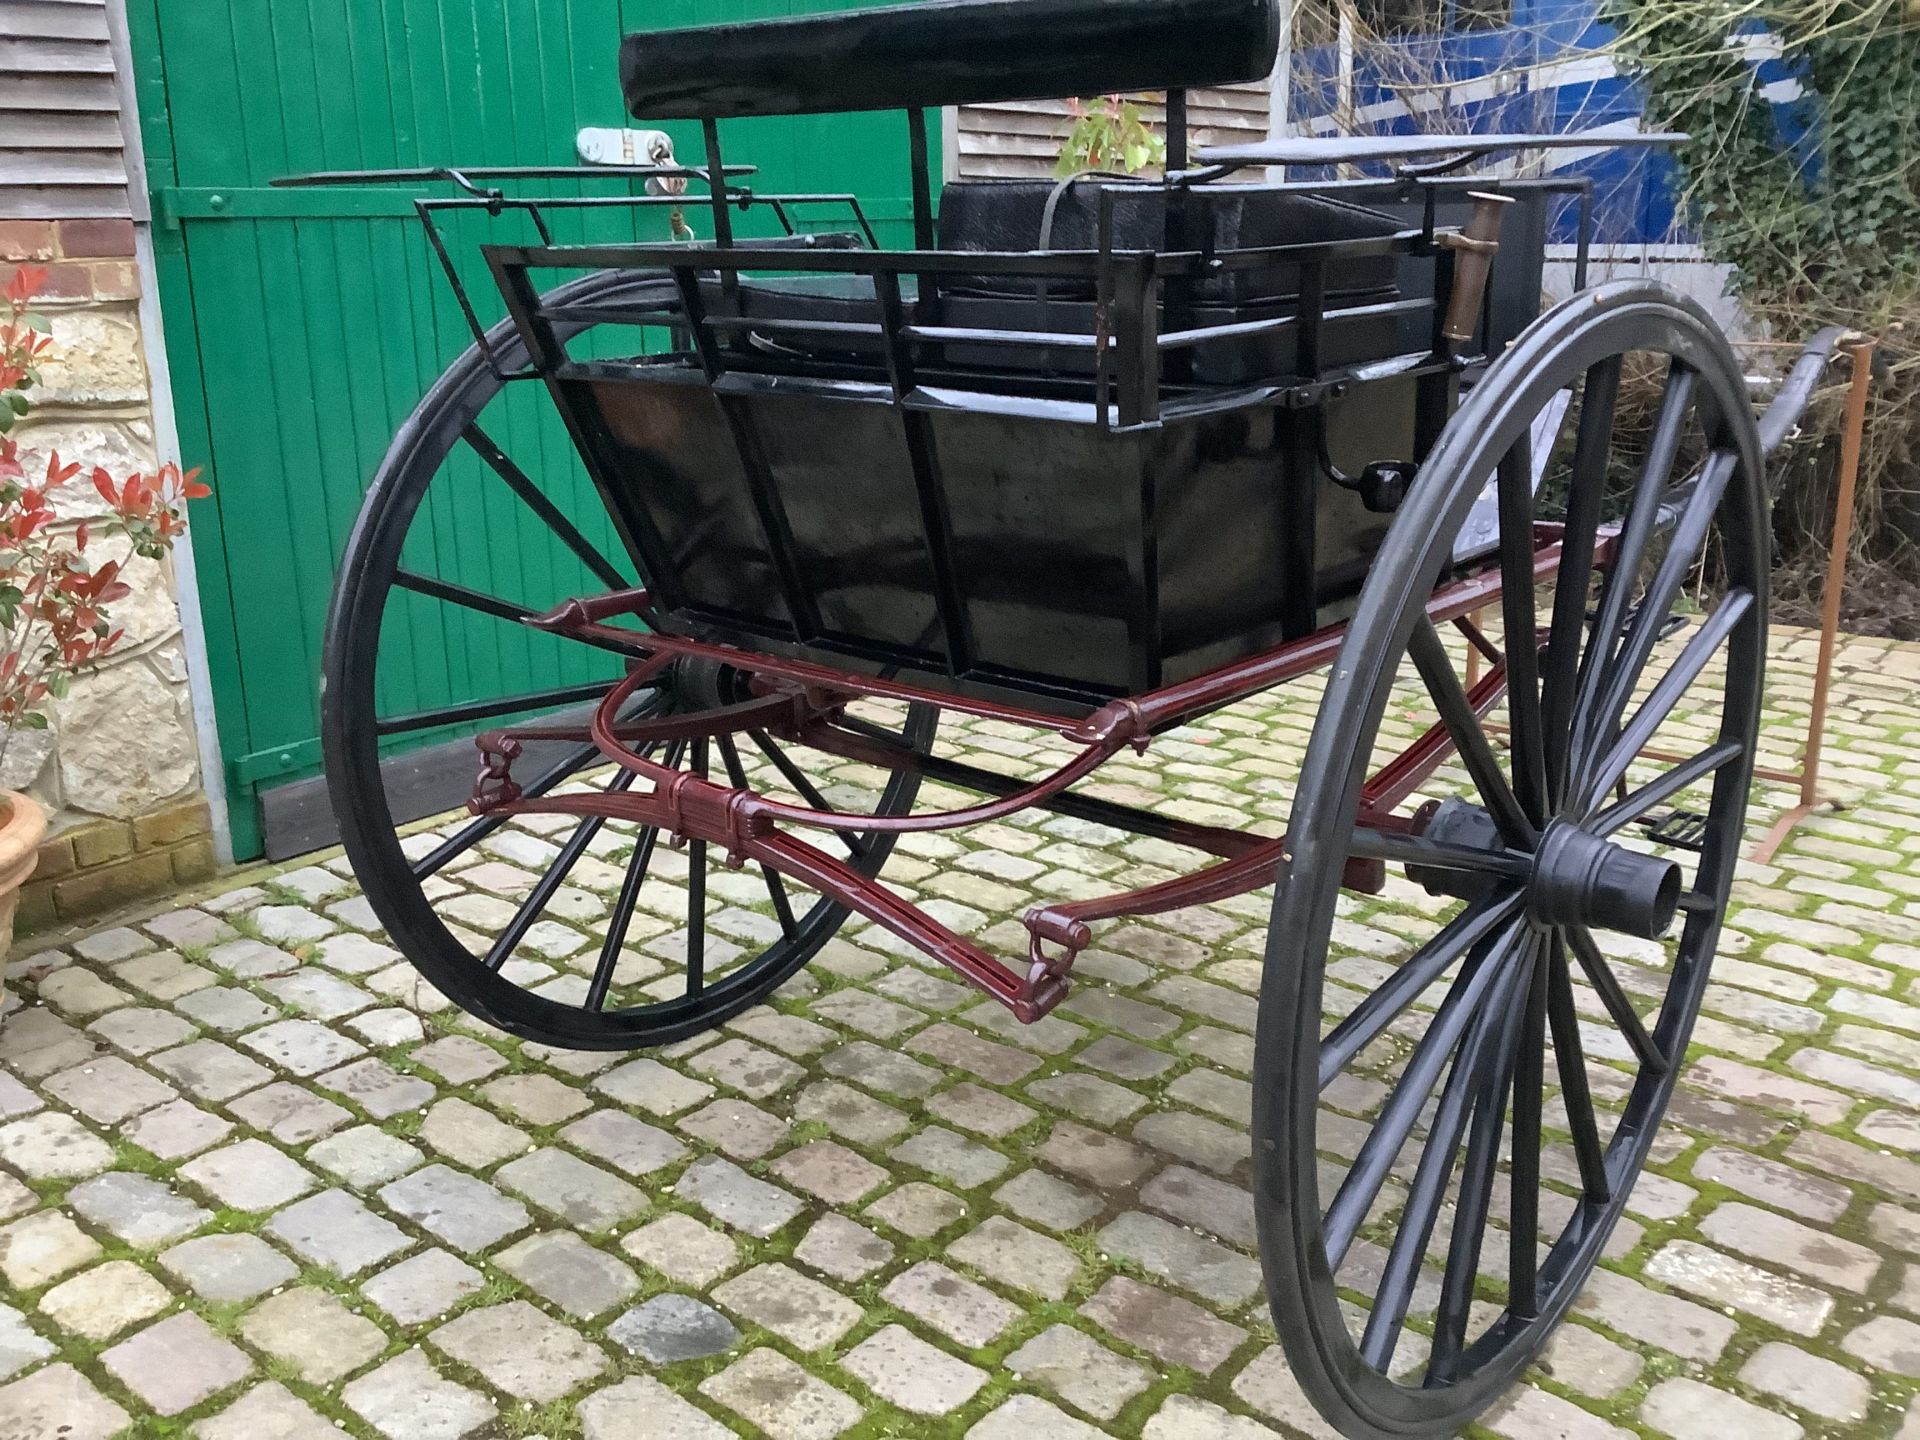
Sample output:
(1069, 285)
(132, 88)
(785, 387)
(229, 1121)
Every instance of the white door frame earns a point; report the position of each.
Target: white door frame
(166, 438)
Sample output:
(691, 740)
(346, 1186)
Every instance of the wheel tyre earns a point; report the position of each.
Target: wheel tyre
(1358, 1398)
(351, 758)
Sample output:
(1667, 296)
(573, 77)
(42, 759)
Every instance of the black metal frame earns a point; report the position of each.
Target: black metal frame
(495, 201)
(1135, 361)
(1141, 353)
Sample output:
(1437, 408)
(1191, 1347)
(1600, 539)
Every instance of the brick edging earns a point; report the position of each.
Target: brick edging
(102, 864)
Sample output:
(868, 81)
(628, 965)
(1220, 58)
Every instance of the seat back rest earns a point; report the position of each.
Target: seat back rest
(1009, 215)
(946, 52)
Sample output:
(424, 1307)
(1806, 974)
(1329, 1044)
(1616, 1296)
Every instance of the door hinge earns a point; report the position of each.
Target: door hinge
(278, 760)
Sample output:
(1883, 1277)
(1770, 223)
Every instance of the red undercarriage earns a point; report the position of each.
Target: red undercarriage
(806, 703)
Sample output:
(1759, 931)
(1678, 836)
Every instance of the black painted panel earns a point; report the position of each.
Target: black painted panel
(946, 52)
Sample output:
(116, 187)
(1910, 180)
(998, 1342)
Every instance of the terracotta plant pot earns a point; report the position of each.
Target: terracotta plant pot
(21, 829)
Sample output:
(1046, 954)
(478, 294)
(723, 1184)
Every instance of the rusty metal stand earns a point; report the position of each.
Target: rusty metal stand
(1860, 350)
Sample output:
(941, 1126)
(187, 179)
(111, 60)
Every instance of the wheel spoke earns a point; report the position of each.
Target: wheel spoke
(782, 906)
(808, 791)
(1576, 1093)
(1639, 732)
(1430, 657)
(1633, 806)
(467, 598)
(475, 831)
(1402, 1110)
(776, 887)
(630, 887)
(486, 709)
(1474, 1202)
(1600, 975)
(1630, 546)
(1399, 847)
(464, 596)
(1574, 579)
(1523, 1178)
(1371, 1016)
(1697, 509)
(530, 909)
(1481, 1064)
(1518, 618)
(537, 501)
(697, 893)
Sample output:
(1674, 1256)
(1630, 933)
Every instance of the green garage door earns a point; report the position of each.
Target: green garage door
(302, 325)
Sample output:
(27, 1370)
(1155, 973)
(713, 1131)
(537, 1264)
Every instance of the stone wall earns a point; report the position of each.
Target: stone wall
(119, 768)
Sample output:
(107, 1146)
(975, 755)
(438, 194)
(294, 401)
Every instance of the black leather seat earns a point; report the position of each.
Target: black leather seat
(1011, 215)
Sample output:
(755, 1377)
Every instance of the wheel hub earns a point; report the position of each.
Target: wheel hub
(702, 684)
(1581, 879)
(1456, 822)
(1577, 878)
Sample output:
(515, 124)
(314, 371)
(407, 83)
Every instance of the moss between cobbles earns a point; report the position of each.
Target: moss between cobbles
(1618, 1408)
(555, 1420)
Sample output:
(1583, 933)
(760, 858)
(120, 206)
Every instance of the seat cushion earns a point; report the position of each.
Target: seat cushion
(1010, 215)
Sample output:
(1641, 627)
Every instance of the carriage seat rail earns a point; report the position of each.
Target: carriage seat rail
(665, 186)
(1128, 345)
(1421, 156)
(466, 177)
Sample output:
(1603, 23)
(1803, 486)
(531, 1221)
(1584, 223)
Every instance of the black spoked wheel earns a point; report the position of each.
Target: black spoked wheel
(589, 934)
(1444, 1143)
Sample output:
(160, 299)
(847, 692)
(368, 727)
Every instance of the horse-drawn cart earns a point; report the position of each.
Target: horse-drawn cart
(1088, 463)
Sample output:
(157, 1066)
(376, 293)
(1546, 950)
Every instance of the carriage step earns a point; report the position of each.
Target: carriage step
(1682, 829)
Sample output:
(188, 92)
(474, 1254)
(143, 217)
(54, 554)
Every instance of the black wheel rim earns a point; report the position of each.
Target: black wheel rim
(1380, 1132)
(592, 1000)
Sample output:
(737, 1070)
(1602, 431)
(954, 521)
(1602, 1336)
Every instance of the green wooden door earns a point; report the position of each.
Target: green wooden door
(303, 325)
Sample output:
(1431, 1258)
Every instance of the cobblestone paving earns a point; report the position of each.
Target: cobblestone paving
(256, 1182)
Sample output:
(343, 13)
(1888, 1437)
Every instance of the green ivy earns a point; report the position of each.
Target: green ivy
(1826, 233)
(1836, 223)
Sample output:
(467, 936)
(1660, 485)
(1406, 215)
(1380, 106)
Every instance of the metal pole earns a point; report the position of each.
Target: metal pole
(1860, 350)
(1850, 445)
(1280, 91)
